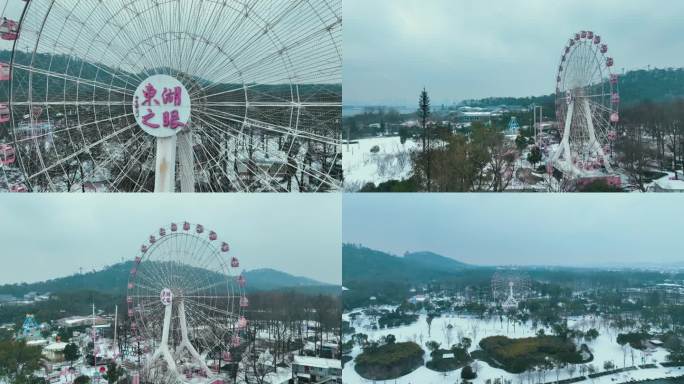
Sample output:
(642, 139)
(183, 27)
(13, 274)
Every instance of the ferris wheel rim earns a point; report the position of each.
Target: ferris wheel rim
(319, 178)
(587, 88)
(216, 248)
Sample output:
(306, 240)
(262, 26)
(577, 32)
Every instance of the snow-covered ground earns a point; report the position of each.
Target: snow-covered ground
(391, 162)
(604, 348)
(667, 183)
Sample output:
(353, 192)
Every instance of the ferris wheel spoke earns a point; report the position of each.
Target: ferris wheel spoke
(133, 160)
(73, 155)
(269, 62)
(205, 308)
(74, 79)
(238, 90)
(596, 96)
(69, 128)
(197, 54)
(264, 178)
(269, 126)
(141, 284)
(206, 287)
(76, 103)
(314, 36)
(284, 48)
(288, 105)
(138, 36)
(261, 176)
(108, 46)
(219, 325)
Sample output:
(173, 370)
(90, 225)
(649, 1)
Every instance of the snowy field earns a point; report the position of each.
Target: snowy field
(391, 162)
(604, 348)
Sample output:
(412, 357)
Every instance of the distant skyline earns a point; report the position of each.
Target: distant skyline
(470, 49)
(48, 236)
(592, 230)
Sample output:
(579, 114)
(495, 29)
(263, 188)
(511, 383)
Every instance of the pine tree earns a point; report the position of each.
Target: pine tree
(424, 113)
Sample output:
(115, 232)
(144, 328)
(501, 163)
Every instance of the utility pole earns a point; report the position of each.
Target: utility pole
(116, 318)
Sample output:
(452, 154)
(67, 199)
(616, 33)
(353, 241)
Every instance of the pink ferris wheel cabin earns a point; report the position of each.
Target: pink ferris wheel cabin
(9, 29)
(4, 113)
(7, 154)
(5, 72)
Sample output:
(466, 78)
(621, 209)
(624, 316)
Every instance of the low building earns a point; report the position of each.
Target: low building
(78, 321)
(306, 369)
(55, 351)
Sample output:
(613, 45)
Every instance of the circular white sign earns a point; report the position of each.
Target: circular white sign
(166, 296)
(161, 106)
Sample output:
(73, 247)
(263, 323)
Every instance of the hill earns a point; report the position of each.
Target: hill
(113, 280)
(656, 85)
(389, 278)
(435, 261)
(364, 264)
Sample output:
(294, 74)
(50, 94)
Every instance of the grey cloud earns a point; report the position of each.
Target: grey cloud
(470, 49)
(46, 236)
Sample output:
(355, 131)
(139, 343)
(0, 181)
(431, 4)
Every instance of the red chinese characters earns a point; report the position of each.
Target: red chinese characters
(149, 116)
(149, 93)
(169, 97)
(173, 95)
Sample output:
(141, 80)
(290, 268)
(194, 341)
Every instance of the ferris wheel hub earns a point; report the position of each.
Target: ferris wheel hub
(166, 296)
(162, 106)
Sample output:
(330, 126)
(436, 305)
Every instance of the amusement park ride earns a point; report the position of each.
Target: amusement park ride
(30, 327)
(587, 101)
(509, 288)
(227, 96)
(186, 304)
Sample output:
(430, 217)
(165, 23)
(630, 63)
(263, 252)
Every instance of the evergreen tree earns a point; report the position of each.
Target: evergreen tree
(424, 114)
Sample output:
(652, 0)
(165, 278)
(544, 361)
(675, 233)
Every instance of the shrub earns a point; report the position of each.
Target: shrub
(467, 373)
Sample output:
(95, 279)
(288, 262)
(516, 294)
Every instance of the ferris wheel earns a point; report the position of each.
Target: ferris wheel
(509, 287)
(186, 304)
(587, 101)
(171, 95)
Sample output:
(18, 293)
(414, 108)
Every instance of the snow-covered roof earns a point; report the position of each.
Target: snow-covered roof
(56, 347)
(318, 362)
(668, 183)
(33, 343)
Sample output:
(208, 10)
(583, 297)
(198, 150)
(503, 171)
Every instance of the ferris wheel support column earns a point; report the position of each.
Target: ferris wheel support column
(564, 147)
(592, 135)
(162, 351)
(185, 340)
(165, 169)
(186, 161)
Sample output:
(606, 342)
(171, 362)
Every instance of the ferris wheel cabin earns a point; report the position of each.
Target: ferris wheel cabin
(4, 113)
(9, 29)
(7, 154)
(5, 72)
(18, 188)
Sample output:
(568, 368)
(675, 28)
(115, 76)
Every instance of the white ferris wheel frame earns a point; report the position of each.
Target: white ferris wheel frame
(590, 113)
(307, 114)
(200, 240)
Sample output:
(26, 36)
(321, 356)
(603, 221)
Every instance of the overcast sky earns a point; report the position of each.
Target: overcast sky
(462, 49)
(46, 236)
(521, 229)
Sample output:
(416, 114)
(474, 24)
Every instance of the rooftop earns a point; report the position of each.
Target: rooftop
(317, 362)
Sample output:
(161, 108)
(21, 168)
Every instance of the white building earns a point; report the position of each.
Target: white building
(306, 369)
